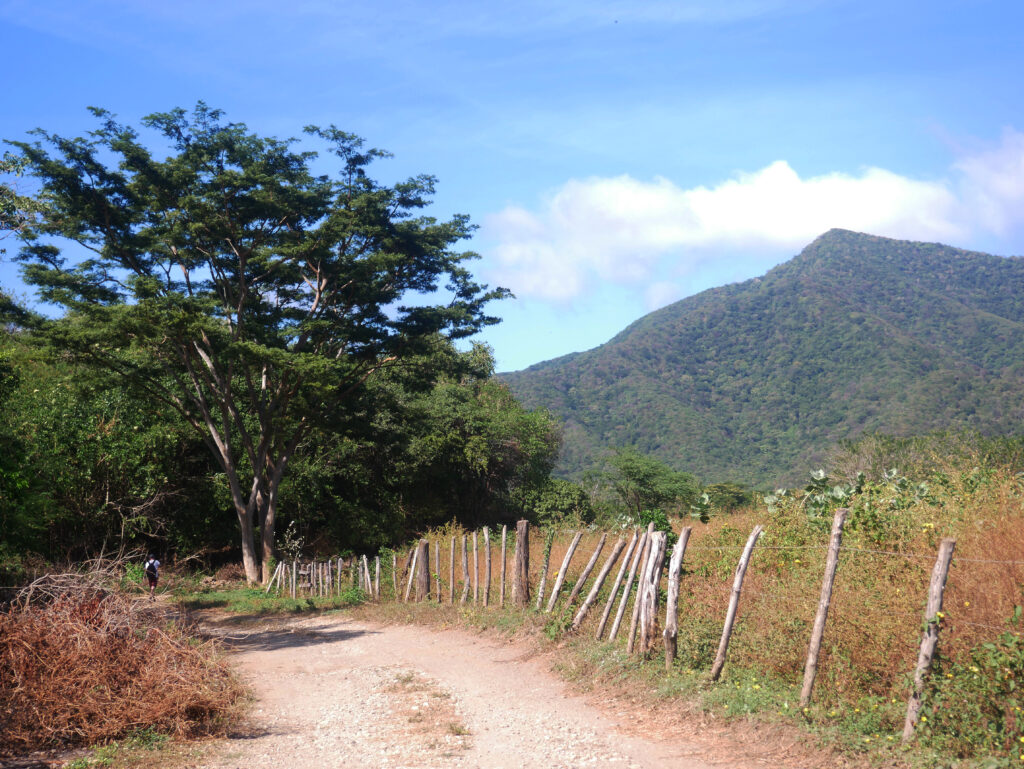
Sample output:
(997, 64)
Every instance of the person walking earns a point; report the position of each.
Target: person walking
(152, 568)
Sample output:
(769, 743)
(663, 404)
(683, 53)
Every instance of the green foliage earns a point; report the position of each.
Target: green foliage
(17, 211)
(644, 483)
(419, 455)
(247, 600)
(558, 501)
(727, 497)
(755, 381)
(877, 508)
(239, 288)
(118, 751)
(975, 706)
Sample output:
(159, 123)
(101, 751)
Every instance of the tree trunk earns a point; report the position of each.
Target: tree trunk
(250, 558)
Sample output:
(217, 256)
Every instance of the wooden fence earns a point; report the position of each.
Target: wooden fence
(641, 559)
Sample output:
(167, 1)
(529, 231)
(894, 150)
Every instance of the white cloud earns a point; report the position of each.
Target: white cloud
(621, 229)
(993, 184)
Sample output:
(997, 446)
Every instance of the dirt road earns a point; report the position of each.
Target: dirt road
(334, 692)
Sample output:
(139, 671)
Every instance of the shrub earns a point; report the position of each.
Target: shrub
(86, 665)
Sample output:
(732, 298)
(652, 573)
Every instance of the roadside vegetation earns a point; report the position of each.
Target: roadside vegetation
(969, 489)
(83, 663)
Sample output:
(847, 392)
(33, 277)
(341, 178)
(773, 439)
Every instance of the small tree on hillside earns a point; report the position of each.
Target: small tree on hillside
(239, 287)
(644, 483)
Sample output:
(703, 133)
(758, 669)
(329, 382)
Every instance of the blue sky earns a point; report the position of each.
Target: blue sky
(616, 155)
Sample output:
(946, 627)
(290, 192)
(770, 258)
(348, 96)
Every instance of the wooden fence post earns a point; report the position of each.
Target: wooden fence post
(634, 621)
(476, 571)
(394, 574)
(818, 632)
(648, 596)
(487, 567)
(295, 568)
(618, 582)
(451, 573)
(412, 574)
(422, 571)
(521, 566)
(931, 633)
(366, 575)
(638, 554)
(578, 587)
(560, 578)
(437, 570)
(376, 577)
(734, 602)
(273, 576)
(465, 570)
(549, 539)
(671, 632)
(504, 539)
(596, 587)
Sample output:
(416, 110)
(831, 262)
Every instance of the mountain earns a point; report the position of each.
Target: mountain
(754, 381)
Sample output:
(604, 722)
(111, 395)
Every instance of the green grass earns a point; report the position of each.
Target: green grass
(253, 600)
(123, 752)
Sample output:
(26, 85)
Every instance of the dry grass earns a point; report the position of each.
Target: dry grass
(875, 621)
(82, 664)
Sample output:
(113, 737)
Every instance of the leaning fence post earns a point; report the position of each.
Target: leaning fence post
(274, 576)
(563, 569)
(649, 595)
(931, 633)
(487, 566)
(634, 621)
(504, 539)
(831, 563)
(615, 587)
(638, 555)
(734, 602)
(586, 572)
(596, 587)
(549, 539)
(366, 576)
(412, 573)
(521, 566)
(671, 632)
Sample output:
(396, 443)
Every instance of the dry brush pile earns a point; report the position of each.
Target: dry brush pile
(81, 663)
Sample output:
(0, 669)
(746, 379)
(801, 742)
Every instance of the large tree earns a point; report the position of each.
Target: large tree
(234, 283)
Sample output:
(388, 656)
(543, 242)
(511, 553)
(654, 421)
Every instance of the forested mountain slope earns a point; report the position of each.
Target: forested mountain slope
(754, 381)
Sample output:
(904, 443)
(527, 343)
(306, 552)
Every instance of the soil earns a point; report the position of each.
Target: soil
(333, 691)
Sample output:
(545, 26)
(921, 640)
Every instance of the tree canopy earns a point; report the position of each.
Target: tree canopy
(233, 283)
